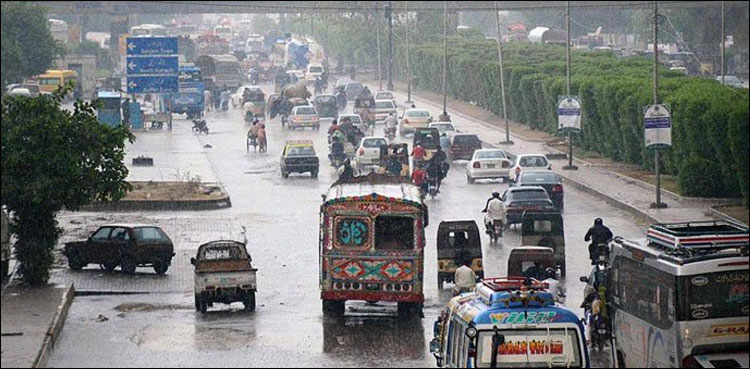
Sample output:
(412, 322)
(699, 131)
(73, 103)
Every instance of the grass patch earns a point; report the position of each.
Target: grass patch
(738, 212)
(668, 182)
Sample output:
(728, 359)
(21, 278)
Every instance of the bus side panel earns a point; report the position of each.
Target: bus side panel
(642, 344)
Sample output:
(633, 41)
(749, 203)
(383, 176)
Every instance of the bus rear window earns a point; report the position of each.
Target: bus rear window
(532, 348)
(715, 295)
(395, 233)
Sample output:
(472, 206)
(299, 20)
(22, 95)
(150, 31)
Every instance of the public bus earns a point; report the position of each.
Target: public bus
(372, 243)
(189, 99)
(51, 80)
(224, 70)
(508, 322)
(149, 30)
(680, 297)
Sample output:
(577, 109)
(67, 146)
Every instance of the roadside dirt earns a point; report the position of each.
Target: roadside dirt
(160, 191)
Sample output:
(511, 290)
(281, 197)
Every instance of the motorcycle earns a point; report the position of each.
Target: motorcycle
(224, 105)
(495, 230)
(432, 187)
(200, 126)
(598, 326)
(337, 159)
(389, 132)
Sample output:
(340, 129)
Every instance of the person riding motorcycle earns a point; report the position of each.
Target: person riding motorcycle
(495, 209)
(393, 166)
(418, 154)
(435, 170)
(419, 178)
(332, 129)
(390, 123)
(346, 171)
(337, 149)
(318, 85)
(465, 279)
(598, 234)
(557, 290)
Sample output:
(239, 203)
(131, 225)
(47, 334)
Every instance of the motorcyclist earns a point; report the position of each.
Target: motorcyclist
(391, 122)
(318, 85)
(435, 170)
(224, 97)
(465, 279)
(557, 290)
(394, 166)
(418, 154)
(495, 209)
(333, 128)
(598, 234)
(346, 171)
(419, 178)
(337, 148)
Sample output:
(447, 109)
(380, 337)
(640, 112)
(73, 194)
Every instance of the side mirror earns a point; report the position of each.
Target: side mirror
(584, 279)
(193, 261)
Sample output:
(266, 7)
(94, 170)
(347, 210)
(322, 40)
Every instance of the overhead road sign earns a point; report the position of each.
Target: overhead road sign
(151, 46)
(152, 84)
(159, 65)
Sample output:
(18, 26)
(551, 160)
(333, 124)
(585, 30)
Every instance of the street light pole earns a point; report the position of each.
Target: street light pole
(570, 165)
(380, 65)
(445, 116)
(722, 43)
(389, 14)
(502, 77)
(408, 51)
(657, 159)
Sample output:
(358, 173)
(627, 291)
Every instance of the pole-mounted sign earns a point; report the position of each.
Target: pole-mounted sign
(568, 113)
(657, 126)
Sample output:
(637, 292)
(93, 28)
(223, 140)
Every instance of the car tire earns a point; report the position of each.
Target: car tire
(284, 175)
(249, 301)
(314, 174)
(128, 265)
(110, 267)
(197, 303)
(76, 262)
(160, 267)
(470, 180)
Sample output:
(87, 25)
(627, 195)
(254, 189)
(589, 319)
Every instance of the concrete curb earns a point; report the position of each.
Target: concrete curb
(55, 327)
(161, 205)
(720, 214)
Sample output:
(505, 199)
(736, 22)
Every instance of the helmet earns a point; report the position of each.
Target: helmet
(598, 221)
(495, 194)
(550, 272)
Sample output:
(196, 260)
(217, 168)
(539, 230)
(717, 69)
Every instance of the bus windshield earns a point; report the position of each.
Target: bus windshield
(532, 348)
(714, 295)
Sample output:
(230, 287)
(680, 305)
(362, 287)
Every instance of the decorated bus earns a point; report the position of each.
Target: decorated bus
(372, 243)
(508, 322)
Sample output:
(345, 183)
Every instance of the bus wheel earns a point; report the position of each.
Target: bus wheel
(620, 360)
(333, 307)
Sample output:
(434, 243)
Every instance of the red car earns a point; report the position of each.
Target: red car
(463, 146)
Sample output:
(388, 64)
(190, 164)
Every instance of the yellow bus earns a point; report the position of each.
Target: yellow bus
(52, 79)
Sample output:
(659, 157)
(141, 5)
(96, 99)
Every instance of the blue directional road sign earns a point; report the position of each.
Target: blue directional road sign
(152, 65)
(151, 46)
(152, 84)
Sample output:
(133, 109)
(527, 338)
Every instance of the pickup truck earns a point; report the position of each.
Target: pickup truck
(224, 274)
(126, 245)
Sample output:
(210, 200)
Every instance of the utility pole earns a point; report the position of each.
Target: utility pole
(657, 159)
(502, 77)
(312, 19)
(380, 65)
(408, 51)
(445, 116)
(722, 43)
(389, 15)
(570, 165)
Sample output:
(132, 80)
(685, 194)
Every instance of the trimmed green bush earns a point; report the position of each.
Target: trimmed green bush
(697, 177)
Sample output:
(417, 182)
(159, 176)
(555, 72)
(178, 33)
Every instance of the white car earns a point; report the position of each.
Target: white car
(236, 97)
(386, 95)
(444, 127)
(528, 161)
(356, 121)
(20, 91)
(730, 81)
(314, 70)
(488, 164)
(368, 152)
(383, 108)
(304, 116)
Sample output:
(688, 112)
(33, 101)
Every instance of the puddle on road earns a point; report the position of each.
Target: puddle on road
(190, 338)
(143, 307)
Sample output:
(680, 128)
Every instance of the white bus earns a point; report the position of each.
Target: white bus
(149, 30)
(59, 29)
(680, 297)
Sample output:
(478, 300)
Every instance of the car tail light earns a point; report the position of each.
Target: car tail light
(477, 164)
(557, 188)
(361, 151)
(505, 164)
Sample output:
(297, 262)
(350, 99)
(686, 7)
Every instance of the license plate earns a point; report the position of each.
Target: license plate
(490, 165)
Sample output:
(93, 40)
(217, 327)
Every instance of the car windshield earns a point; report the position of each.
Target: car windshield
(494, 154)
(444, 127)
(538, 177)
(150, 234)
(383, 105)
(300, 151)
(378, 142)
(222, 253)
(466, 139)
(355, 119)
(533, 194)
(384, 96)
(418, 114)
(325, 99)
(533, 161)
(306, 110)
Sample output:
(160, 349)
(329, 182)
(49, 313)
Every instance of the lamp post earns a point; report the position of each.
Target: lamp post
(445, 116)
(380, 65)
(570, 165)
(657, 158)
(502, 77)
(408, 51)
(389, 15)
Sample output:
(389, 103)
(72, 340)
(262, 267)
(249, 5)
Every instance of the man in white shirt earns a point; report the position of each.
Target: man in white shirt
(555, 288)
(464, 280)
(495, 209)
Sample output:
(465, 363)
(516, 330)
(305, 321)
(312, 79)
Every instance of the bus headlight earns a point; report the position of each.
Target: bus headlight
(471, 332)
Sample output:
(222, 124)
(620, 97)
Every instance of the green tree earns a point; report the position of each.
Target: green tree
(27, 44)
(54, 159)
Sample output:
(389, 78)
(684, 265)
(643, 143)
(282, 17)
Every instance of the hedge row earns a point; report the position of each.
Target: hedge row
(710, 121)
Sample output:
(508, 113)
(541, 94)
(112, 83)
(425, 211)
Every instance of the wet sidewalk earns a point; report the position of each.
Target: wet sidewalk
(620, 191)
(32, 318)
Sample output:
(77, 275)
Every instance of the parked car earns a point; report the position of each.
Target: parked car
(31, 86)
(732, 81)
(518, 200)
(414, 118)
(224, 273)
(528, 161)
(386, 95)
(444, 127)
(236, 97)
(368, 152)
(463, 146)
(550, 181)
(488, 164)
(298, 156)
(126, 245)
(383, 108)
(304, 116)
(20, 91)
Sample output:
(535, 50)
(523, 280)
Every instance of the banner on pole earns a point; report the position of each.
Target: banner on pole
(569, 114)
(657, 124)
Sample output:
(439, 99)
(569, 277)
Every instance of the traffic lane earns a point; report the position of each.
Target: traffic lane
(165, 330)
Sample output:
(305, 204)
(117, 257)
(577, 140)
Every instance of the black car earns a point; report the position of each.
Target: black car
(518, 200)
(550, 181)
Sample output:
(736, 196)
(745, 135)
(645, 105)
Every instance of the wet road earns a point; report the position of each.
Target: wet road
(288, 327)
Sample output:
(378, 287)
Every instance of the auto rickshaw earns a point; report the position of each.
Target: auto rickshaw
(530, 261)
(457, 240)
(255, 105)
(364, 105)
(402, 153)
(429, 138)
(326, 106)
(545, 229)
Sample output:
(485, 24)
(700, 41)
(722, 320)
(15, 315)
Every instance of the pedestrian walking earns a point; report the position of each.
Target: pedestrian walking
(207, 101)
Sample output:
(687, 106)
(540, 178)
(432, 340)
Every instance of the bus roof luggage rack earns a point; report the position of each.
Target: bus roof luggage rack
(713, 235)
(515, 292)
